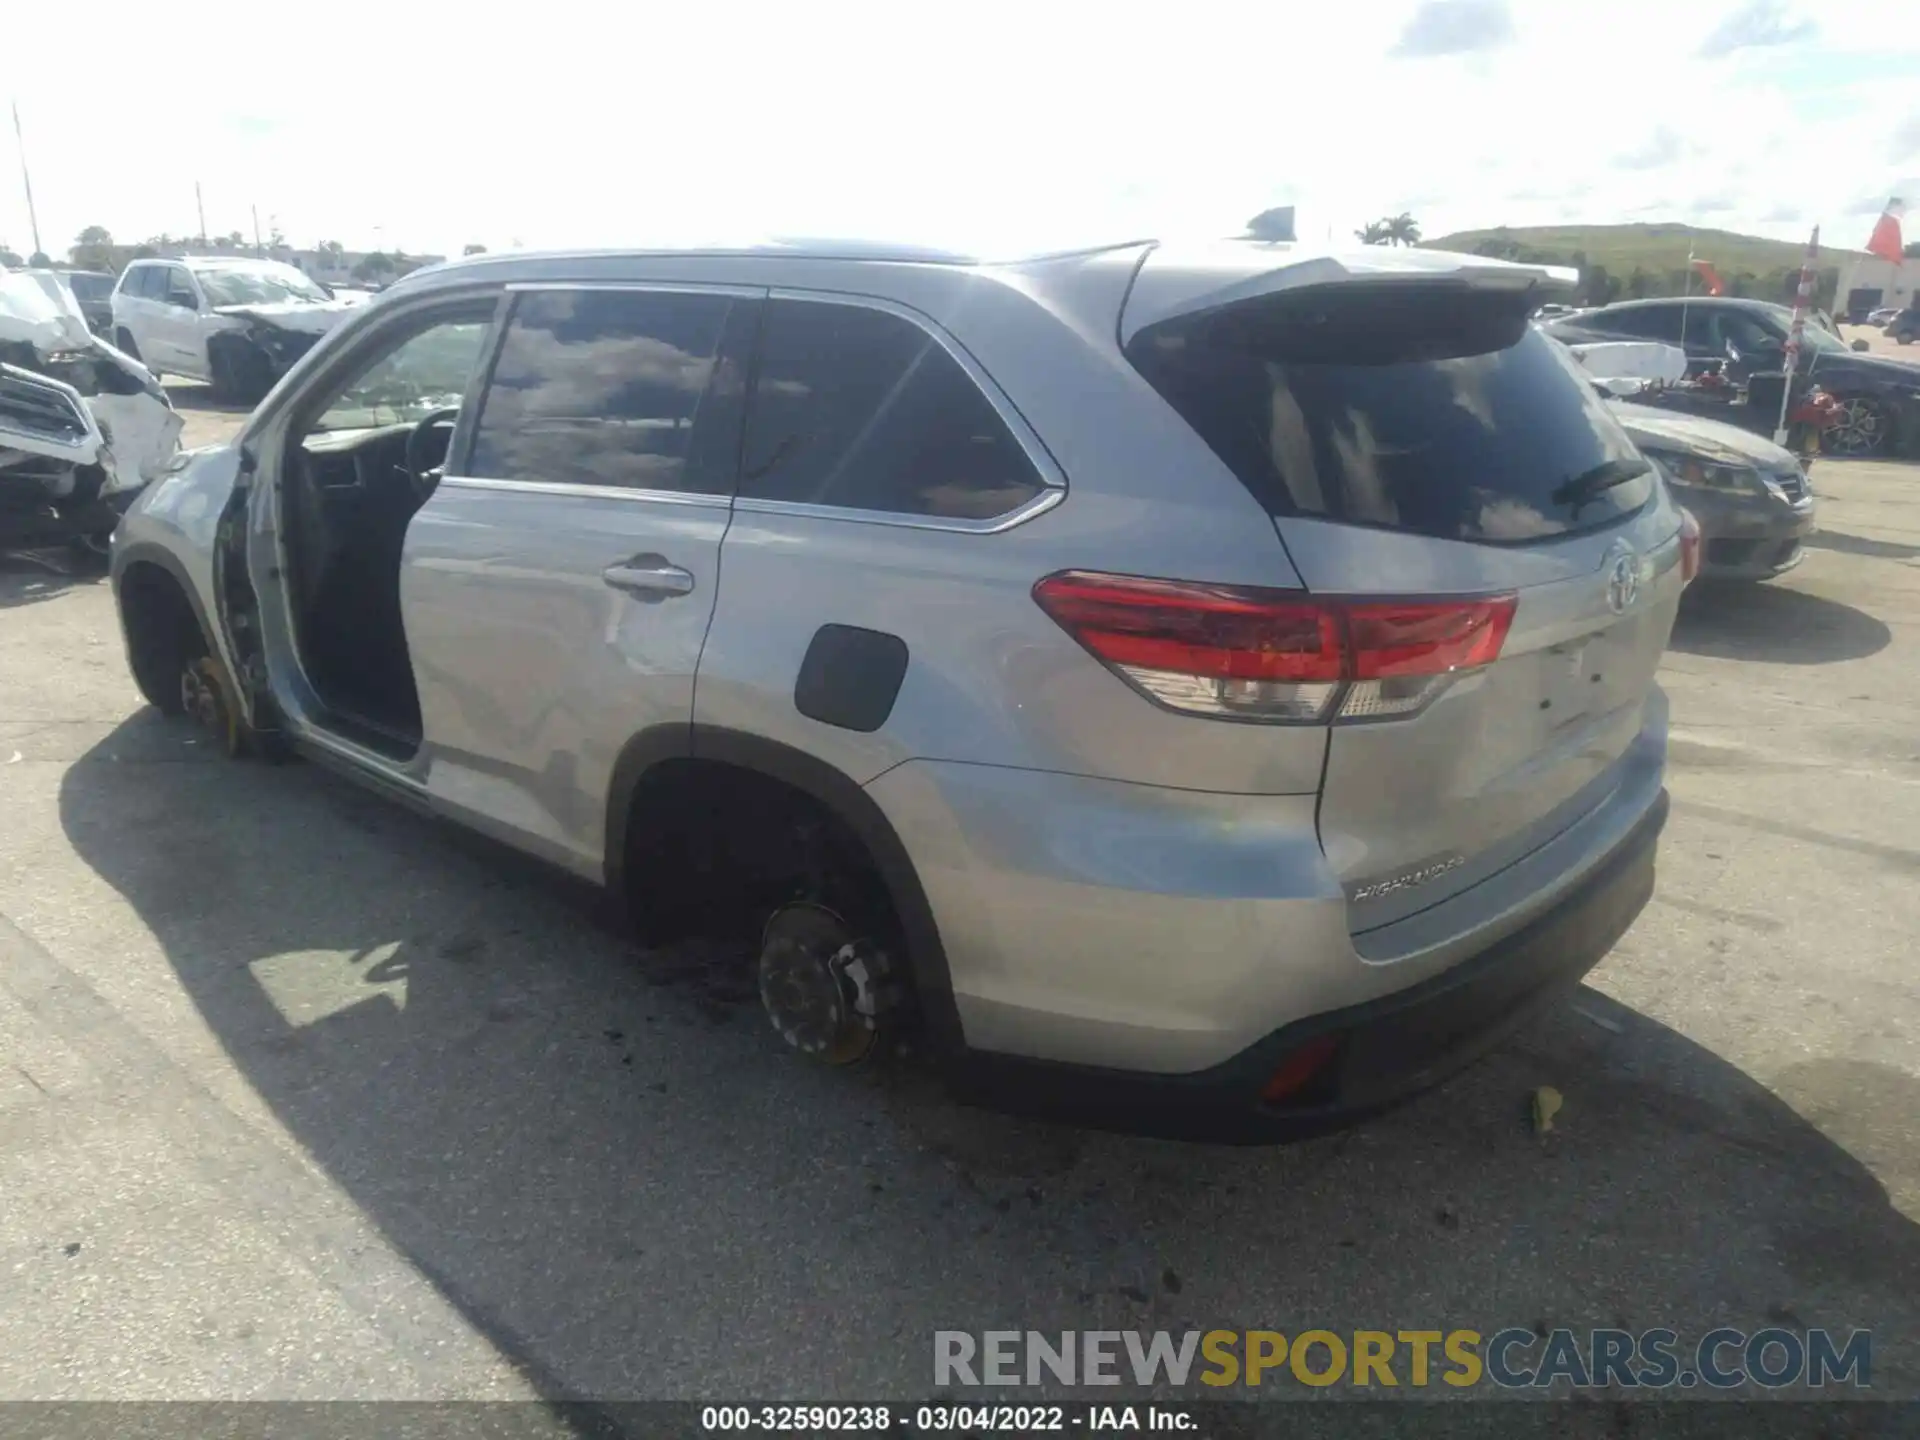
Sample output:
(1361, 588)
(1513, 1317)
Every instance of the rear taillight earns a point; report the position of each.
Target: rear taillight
(1689, 547)
(1274, 655)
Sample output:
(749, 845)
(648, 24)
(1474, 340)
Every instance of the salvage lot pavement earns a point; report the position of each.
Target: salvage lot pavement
(301, 1095)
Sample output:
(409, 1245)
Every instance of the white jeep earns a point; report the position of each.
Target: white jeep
(236, 322)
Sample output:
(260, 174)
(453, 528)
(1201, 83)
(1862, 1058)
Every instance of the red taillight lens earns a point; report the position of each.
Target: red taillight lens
(1427, 638)
(1689, 547)
(1230, 634)
(1271, 654)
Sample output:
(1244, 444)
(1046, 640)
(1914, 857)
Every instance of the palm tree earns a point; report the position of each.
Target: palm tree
(1375, 233)
(1403, 229)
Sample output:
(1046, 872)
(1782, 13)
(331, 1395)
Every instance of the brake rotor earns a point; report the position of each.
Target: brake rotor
(206, 697)
(822, 987)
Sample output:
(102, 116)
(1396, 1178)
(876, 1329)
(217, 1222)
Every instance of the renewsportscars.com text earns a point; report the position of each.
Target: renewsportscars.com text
(1512, 1358)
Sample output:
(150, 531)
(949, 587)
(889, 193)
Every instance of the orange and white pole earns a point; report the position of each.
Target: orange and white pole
(1802, 302)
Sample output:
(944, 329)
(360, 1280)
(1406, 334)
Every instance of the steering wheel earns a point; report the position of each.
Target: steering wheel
(423, 475)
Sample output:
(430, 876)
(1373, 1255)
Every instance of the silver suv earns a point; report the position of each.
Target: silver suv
(1207, 689)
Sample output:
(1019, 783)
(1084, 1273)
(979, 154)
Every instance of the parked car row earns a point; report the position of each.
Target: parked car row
(1879, 397)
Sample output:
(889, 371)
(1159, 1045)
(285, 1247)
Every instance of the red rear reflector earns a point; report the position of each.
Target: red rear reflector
(1299, 1067)
(1273, 654)
(1689, 547)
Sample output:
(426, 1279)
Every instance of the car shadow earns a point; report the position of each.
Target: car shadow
(192, 395)
(604, 1158)
(28, 577)
(1773, 622)
(1847, 544)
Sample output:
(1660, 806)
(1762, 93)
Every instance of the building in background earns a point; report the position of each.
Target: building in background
(1871, 283)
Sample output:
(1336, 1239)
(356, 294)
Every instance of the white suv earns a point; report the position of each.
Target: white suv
(234, 322)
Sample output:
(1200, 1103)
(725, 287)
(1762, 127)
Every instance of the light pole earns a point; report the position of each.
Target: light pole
(20, 141)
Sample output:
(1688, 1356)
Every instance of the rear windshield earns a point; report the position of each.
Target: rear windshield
(1439, 411)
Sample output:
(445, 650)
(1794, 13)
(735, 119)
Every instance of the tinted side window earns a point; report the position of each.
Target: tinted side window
(140, 280)
(859, 408)
(176, 282)
(613, 387)
(1747, 333)
(1651, 322)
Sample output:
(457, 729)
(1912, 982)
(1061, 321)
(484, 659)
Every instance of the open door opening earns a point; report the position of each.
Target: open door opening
(351, 479)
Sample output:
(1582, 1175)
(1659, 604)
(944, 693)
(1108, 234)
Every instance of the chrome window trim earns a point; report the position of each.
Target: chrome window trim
(668, 287)
(1048, 497)
(1053, 479)
(592, 492)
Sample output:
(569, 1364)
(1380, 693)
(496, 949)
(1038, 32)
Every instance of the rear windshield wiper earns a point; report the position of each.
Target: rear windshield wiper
(1607, 475)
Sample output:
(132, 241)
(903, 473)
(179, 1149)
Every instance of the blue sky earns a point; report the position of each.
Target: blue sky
(989, 125)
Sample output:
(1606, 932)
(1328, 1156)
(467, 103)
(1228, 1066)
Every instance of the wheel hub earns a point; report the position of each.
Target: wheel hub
(821, 987)
(203, 696)
(1858, 428)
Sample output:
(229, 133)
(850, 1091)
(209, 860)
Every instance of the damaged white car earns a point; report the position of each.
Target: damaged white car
(83, 428)
(236, 322)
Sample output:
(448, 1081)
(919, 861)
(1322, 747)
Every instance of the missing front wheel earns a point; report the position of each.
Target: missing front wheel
(830, 994)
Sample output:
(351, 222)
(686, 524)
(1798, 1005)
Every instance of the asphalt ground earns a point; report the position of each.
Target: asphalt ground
(304, 1096)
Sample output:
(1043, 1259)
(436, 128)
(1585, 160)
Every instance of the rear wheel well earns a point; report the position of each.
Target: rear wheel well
(714, 847)
(163, 632)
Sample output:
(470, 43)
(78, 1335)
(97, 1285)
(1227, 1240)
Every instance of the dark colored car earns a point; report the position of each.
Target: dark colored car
(1879, 397)
(1905, 327)
(93, 293)
(1749, 496)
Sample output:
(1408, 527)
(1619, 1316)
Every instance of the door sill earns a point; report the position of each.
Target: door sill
(383, 740)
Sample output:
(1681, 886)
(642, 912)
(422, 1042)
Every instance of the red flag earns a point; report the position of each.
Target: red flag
(1886, 241)
(1710, 277)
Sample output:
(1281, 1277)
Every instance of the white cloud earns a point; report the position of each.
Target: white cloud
(995, 125)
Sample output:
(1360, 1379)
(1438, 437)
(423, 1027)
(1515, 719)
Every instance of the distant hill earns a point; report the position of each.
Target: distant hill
(1632, 260)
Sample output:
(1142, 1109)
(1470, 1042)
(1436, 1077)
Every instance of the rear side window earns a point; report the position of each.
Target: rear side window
(862, 409)
(1649, 322)
(613, 388)
(1439, 412)
(142, 280)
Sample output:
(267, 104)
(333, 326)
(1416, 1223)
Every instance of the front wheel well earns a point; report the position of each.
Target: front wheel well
(163, 632)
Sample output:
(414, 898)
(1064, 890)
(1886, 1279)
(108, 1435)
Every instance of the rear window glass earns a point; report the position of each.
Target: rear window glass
(1442, 413)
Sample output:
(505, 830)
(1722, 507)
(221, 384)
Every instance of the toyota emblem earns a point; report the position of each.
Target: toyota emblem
(1623, 584)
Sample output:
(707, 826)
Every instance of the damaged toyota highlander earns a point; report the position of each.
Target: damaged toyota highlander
(82, 427)
(235, 322)
(1203, 689)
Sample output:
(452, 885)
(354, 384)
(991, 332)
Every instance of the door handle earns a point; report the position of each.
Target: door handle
(650, 577)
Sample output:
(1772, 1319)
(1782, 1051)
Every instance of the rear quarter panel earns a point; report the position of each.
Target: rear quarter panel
(990, 679)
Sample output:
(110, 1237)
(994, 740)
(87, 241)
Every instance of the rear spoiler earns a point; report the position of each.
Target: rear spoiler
(1188, 280)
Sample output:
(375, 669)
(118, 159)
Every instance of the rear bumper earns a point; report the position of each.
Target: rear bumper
(1382, 1051)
